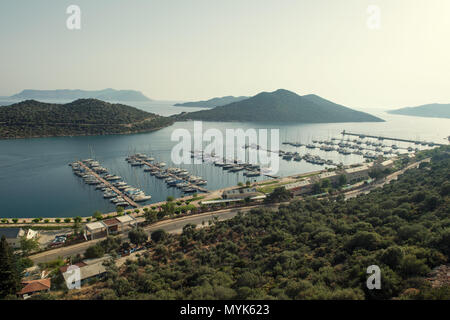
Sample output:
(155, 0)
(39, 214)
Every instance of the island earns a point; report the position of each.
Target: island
(70, 95)
(433, 110)
(32, 119)
(212, 103)
(281, 106)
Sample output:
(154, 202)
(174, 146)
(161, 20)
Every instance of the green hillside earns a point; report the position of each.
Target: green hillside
(81, 117)
(282, 106)
(212, 103)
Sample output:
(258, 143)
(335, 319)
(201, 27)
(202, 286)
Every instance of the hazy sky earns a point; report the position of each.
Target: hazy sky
(198, 49)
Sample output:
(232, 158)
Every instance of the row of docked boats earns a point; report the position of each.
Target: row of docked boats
(173, 177)
(229, 165)
(107, 182)
(315, 159)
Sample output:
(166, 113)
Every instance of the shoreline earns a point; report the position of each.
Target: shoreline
(206, 196)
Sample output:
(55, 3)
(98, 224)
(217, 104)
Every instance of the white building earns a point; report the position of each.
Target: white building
(13, 235)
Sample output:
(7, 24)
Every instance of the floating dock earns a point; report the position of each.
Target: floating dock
(148, 164)
(107, 183)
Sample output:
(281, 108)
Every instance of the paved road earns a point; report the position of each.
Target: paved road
(170, 226)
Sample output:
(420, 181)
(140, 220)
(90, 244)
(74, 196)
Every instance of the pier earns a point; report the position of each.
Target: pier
(362, 136)
(152, 166)
(107, 183)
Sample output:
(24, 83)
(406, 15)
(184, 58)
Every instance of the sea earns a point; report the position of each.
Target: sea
(37, 181)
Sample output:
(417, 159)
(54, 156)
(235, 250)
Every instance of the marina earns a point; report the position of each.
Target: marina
(173, 176)
(24, 164)
(119, 193)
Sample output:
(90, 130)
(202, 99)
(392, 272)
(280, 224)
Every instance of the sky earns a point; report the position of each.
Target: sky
(199, 49)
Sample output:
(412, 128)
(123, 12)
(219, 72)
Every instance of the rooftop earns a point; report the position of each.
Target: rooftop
(95, 226)
(327, 175)
(35, 286)
(357, 169)
(298, 184)
(125, 219)
(10, 233)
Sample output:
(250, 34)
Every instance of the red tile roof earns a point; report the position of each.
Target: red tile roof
(79, 264)
(111, 222)
(35, 286)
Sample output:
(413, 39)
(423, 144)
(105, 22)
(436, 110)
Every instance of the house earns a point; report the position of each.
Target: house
(300, 187)
(13, 235)
(34, 287)
(357, 173)
(330, 175)
(387, 164)
(99, 229)
(240, 193)
(89, 269)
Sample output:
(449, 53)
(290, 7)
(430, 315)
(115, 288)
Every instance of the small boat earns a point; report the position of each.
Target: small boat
(189, 190)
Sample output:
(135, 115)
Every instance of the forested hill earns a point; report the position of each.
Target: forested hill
(282, 106)
(212, 103)
(69, 95)
(308, 249)
(81, 117)
(434, 110)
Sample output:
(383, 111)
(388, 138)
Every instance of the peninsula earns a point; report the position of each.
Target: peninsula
(434, 110)
(32, 119)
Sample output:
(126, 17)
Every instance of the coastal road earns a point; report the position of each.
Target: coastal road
(170, 226)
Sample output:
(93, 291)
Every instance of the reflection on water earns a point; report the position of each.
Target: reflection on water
(36, 181)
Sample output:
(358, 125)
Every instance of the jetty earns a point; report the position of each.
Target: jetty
(191, 185)
(107, 183)
(362, 136)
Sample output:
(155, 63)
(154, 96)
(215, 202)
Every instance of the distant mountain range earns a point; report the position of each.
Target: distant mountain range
(434, 110)
(70, 95)
(212, 103)
(281, 106)
(32, 118)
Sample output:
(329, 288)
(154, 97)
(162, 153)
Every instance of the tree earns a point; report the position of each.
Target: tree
(326, 183)
(278, 195)
(28, 245)
(138, 236)
(170, 199)
(159, 235)
(95, 251)
(97, 215)
(76, 227)
(9, 274)
(189, 230)
(151, 216)
(317, 189)
(168, 209)
(342, 180)
(111, 244)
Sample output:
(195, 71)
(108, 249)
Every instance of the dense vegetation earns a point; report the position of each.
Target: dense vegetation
(106, 94)
(310, 249)
(282, 106)
(434, 110)
(81, 117)
(12, 266)
(212, 103)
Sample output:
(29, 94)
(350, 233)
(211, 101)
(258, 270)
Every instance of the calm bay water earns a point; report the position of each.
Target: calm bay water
(36, 181)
